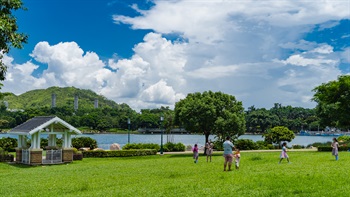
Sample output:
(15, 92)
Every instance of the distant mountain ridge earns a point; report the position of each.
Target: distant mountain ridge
(64, 98)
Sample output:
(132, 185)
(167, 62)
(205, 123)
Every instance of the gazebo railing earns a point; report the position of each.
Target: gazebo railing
(25, 156)
(52, 157)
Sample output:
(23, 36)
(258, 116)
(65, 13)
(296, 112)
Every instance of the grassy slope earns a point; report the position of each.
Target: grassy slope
(309, 174)
(64, 97)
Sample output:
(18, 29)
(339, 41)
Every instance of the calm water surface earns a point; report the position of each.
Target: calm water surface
(105, 140)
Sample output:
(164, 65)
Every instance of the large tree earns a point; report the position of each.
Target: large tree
(211, 113)
(259, 120)
(333, 102)
(9, 37)
(279, 134)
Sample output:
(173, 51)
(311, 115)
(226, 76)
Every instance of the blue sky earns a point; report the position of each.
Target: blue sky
(152, 53)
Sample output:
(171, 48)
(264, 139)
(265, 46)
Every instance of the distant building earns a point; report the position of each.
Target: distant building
(53, 100)
(6, 104)
(76, 102)
(96, 103)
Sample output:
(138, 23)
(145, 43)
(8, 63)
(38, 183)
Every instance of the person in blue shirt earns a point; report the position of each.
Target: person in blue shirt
(228, 146)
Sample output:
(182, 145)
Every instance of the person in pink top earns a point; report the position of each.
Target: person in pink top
(284, 152)
(195, 153)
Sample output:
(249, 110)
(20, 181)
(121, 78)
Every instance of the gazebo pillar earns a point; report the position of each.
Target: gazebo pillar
(67, 151)
(20, 145)
(36, 153)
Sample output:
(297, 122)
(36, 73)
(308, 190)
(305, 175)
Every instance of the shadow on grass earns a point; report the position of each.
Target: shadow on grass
(20, 165)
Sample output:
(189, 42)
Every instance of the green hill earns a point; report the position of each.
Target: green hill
(64, 98)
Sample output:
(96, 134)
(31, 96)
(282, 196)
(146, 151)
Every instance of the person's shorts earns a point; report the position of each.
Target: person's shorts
(209, 152)
(228, 158)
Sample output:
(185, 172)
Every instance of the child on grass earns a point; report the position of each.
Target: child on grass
(335, 146)
(209, 149)
(284, 152)
(195, 153)
(237, 157)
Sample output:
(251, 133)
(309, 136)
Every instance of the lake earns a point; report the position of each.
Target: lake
(105, 140)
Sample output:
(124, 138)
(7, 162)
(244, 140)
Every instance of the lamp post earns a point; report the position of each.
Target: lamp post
(161, 135)
(129, 130)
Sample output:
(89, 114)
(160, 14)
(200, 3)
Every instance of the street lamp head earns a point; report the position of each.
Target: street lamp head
(128, 120)
(161, 118)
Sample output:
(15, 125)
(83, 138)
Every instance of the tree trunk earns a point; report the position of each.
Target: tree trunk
(206, 140)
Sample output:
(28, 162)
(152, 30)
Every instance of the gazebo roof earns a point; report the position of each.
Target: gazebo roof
(40, 123)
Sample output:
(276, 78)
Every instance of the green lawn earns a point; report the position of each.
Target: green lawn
(309, 174)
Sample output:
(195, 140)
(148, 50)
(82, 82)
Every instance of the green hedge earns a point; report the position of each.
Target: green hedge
(119, 153)
(172, 147)
(141, 146)
(245, 144)
(5, 157)
(80, 142)
(329, 148)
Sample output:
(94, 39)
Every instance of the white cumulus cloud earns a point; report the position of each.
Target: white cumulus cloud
(255, 50)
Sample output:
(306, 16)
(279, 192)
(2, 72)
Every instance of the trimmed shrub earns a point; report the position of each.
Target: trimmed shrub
(317, 144)
(297, 146)
(172, 147)
(119, 153)
(245, 144)
(80, 142)
(329, 148)
(44, 143)
(345, 138)
(8, 144)
(141, 146)
(270, 146)
(262, 145)
(5, 157)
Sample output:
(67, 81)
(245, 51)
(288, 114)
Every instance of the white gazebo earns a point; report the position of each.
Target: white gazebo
(44, 125)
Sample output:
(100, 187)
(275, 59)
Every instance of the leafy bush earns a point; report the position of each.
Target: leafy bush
(218, 145)
(270, 146)
(119, 153)
(80, 142)
(77, 155)
(141, 146)
(172, 147)
(262, 145)
(5, 157)
(246, 144)
(297, 146)
(317, 144)
(44, 142)
(345, 138)
(8, 144)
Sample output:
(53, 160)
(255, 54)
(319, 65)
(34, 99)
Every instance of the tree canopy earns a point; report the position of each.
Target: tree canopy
(279, 134)
(9, 37)
(211, 113)
(333, 102)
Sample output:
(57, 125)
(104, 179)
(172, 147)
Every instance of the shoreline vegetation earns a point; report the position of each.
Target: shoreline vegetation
(118, 131)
